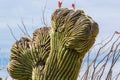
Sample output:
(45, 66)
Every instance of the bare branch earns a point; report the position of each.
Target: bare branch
(11, 32)
(21, 29)
(25, 28)
(110, 52)
(43, 13)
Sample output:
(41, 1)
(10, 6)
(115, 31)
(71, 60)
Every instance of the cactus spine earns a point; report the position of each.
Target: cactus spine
(55, 53)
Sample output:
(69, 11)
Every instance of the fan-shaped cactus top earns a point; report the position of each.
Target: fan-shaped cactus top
(54, 53)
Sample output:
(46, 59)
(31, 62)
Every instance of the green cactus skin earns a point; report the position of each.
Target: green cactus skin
(22, 59)
(28, 54)
(55, 53)
(73, 34)
(41, 39)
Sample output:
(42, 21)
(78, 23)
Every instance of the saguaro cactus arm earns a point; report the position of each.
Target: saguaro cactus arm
(28, 54)
(20, 62)
(41, 40)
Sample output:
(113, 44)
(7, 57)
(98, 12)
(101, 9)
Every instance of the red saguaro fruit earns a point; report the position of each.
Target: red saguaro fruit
(59, 4)
(73, 5)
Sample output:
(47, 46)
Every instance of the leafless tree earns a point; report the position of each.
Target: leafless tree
(102, 66)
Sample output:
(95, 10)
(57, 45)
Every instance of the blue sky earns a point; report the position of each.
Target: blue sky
(105, 12)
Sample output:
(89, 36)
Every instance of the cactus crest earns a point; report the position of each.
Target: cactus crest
(56, 52)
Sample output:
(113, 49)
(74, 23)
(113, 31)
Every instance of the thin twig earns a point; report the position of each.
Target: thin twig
(25, 28)
(21, 29)
(43, 13)
(11, 32)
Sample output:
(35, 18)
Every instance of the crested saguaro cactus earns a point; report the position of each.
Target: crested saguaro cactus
(56, 52)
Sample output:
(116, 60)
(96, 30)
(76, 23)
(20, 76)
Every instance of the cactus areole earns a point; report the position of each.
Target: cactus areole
(56, 52)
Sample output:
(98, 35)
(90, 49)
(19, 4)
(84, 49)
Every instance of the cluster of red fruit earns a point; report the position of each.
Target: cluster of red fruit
(60, 4)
